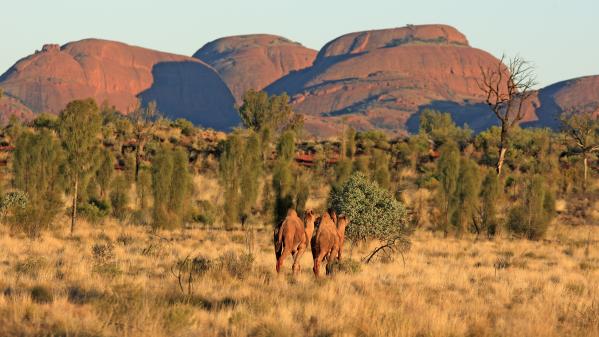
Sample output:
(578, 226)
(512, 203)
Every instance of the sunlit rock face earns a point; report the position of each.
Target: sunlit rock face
(382, 79)
(120, 74)
(254, 61)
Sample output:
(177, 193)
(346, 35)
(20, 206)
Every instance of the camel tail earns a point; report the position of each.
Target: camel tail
(279, 242)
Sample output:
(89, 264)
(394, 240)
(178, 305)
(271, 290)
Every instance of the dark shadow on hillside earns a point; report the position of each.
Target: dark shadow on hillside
(549, 111)
(192, 91)
(478, 116)
(296, 81)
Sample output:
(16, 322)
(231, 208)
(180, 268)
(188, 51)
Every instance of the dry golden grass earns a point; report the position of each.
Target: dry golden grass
(447, 287)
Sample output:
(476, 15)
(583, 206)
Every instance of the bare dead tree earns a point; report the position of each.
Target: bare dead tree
(582, 128)
(507, 88)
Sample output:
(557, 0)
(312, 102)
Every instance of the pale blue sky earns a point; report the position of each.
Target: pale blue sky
(560, 37)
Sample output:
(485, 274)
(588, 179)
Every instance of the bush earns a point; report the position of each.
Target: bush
(95, 210)
(236, 266)
(119, 198)
(205, 213)
(532, 216)
(346, 266)
(78, 295)
(372, 211)
(41, 294)
(31, 266)
(103, 253)
(104, 260)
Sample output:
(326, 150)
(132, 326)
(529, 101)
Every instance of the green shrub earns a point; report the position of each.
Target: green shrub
(78, 295)
(42, 295)
(103, 253)
(119, 198)
(372, 211)
(31, 266)
(94, 210)
(531, 217)
(237, 266)
(205, 213)
(346, 266)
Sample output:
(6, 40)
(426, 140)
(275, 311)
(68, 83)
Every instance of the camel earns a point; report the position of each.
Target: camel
(342, 223)
(309, 219)
(325, 243)
(333, 215)
(290, 239)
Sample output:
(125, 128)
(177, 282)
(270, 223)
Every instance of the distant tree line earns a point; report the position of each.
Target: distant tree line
(92, 162)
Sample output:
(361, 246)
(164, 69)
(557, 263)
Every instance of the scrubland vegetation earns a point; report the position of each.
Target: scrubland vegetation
(136, 225)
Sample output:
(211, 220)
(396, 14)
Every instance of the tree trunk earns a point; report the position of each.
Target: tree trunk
(137, 161)
(586, 170)
(502, 151)
(74, 210)
(502, 148)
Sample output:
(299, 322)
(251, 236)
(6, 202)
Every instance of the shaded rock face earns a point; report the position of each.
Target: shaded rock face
(574, 95)
(254, 61)
(120, 74)
(382, 79)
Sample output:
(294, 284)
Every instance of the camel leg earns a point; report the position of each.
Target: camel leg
(333, 254)
(317, 262)
(286, 252)
(300, 251)
(340, 250)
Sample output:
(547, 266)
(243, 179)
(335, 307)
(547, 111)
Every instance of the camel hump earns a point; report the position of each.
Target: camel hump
(291, 212)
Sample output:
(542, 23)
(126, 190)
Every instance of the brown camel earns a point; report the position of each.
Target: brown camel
(325, 243)
(290, 239)
(342, 223)
(333, 215)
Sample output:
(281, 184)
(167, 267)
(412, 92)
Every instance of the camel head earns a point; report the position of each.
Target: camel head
(291, 212)
(309, 217)
(342, 223)
(327, 219)
(331, 212)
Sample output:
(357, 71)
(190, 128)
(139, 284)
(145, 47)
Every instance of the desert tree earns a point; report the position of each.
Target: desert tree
(171, 187)
(260, 111)
(507, 89)
(380, 168)
(37, 171)
(467, 194)
(143, 120)
(269, 116)
(582, 129)
(119, 197)
(230, 179)
(290, 186)
(440, 128)
(105, 172)
(240, 171)
(487, 209)
(283, 178)
(79, 128)
(448, 173)
(532, 215)
(251, 173)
